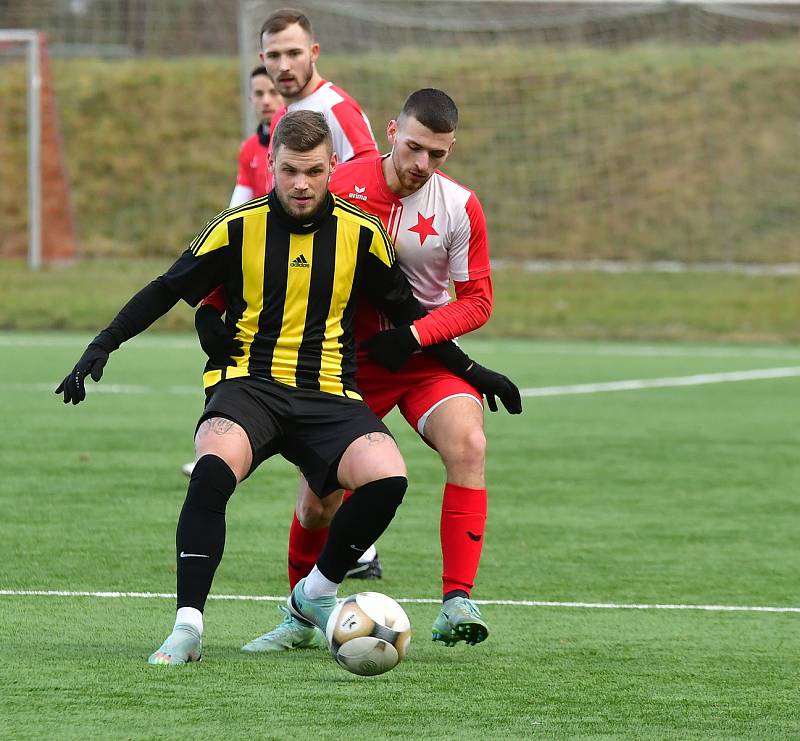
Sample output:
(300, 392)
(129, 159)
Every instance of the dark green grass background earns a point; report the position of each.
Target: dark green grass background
(652, 151)
(677, 495)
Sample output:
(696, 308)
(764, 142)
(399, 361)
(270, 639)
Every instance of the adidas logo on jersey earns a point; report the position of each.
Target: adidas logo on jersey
(358, 194)
(300, 262)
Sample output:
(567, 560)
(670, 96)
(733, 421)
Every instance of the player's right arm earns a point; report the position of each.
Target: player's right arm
(243, 190)
(190, 278)
(388, 289)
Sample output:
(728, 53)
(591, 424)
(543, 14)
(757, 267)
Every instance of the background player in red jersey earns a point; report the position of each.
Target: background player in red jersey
(440, 234)
(251, 179)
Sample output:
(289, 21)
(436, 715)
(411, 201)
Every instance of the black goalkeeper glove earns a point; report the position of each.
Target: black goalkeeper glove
(491, 384)
(217, 341)
(92, 362)
(391, 348)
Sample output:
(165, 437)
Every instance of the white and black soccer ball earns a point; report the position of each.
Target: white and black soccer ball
(368, 633)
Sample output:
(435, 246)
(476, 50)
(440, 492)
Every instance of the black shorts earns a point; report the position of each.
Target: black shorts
(312, 429)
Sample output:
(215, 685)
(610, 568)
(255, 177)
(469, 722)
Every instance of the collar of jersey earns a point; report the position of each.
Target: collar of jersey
(296, 226)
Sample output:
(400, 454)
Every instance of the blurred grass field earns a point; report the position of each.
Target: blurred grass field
(651, 151)
(682, 496)
(702, 306)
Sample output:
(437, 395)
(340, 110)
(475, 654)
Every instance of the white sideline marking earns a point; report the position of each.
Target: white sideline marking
(411, 600)
(545, 347)
(652, 383)
(581, 388)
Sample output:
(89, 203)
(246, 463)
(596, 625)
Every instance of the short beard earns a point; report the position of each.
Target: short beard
(309, 74)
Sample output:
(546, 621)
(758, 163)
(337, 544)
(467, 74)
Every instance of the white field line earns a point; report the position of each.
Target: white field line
(408, 600)
(78, 342)
(652, 383)
(636, 384)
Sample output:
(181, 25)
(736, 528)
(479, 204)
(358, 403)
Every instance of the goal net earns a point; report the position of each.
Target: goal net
(615, 130)
(35, 211)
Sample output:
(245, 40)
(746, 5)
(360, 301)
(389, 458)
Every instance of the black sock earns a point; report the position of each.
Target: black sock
(200, 538)
(358, 523)
(455, 593)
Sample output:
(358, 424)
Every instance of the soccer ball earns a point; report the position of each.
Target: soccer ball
(368, 633)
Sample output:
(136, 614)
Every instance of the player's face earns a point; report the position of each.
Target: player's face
(289, 57)
(301, 178)
(264, 98)
(416, 153)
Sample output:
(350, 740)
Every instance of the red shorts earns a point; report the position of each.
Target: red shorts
(416, 390)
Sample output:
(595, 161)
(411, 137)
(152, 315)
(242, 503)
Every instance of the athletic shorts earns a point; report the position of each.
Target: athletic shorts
(421, 385)
(312, 429)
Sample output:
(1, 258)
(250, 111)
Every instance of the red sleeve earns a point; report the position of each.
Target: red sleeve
(471, 309)
(216, 299)
(243, 175)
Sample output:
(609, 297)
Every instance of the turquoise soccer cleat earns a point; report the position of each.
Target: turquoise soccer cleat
(310, 611)
(460, 620)
(183, 645)
(290, 634)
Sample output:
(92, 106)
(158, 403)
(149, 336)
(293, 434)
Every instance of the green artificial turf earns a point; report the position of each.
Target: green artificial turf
(671, 496)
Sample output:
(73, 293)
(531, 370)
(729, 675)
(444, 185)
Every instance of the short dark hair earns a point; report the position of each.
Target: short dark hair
(302, 131)
(432, 108)
(281, 19)
(257, 71)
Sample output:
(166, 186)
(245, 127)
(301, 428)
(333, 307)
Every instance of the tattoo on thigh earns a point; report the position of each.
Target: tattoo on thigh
(219, 425)
(376, 438)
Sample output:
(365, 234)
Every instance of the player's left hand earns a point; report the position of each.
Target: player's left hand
(391, 348)
(217, 341)
(491, 383)
(92, 362)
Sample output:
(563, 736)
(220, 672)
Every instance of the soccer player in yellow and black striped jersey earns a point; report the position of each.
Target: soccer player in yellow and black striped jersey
(292, 264)
(292, 287)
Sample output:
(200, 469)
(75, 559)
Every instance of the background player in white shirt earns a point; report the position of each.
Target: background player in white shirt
(289, 53)
(440, 233)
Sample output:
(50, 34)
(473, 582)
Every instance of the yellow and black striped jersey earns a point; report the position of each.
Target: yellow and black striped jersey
(291, 289)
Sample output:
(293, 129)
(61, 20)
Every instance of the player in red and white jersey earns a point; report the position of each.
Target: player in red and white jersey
(251, 178)
(440, 234)
(439, 231)
(289, 53)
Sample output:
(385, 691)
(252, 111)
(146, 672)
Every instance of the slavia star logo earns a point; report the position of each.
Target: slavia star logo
(424, 228)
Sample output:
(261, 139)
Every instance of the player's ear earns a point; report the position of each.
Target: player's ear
(314, 52)
(451, 147)
(271, 161)
(334, 161)
(391, 131)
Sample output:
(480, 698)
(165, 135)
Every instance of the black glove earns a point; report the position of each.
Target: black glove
(491, 384)
(92, 362)
(391, 348)
(217, 341)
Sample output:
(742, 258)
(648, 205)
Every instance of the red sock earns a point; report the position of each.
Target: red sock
(304, 549)
(461, 532)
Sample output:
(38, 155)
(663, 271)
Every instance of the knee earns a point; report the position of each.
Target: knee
(470, 447)
(313, 512)
(211, 485)
(386, 493)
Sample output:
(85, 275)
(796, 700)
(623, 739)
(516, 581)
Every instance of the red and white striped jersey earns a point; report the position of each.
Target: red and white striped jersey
(352, 133)
(439, 234)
